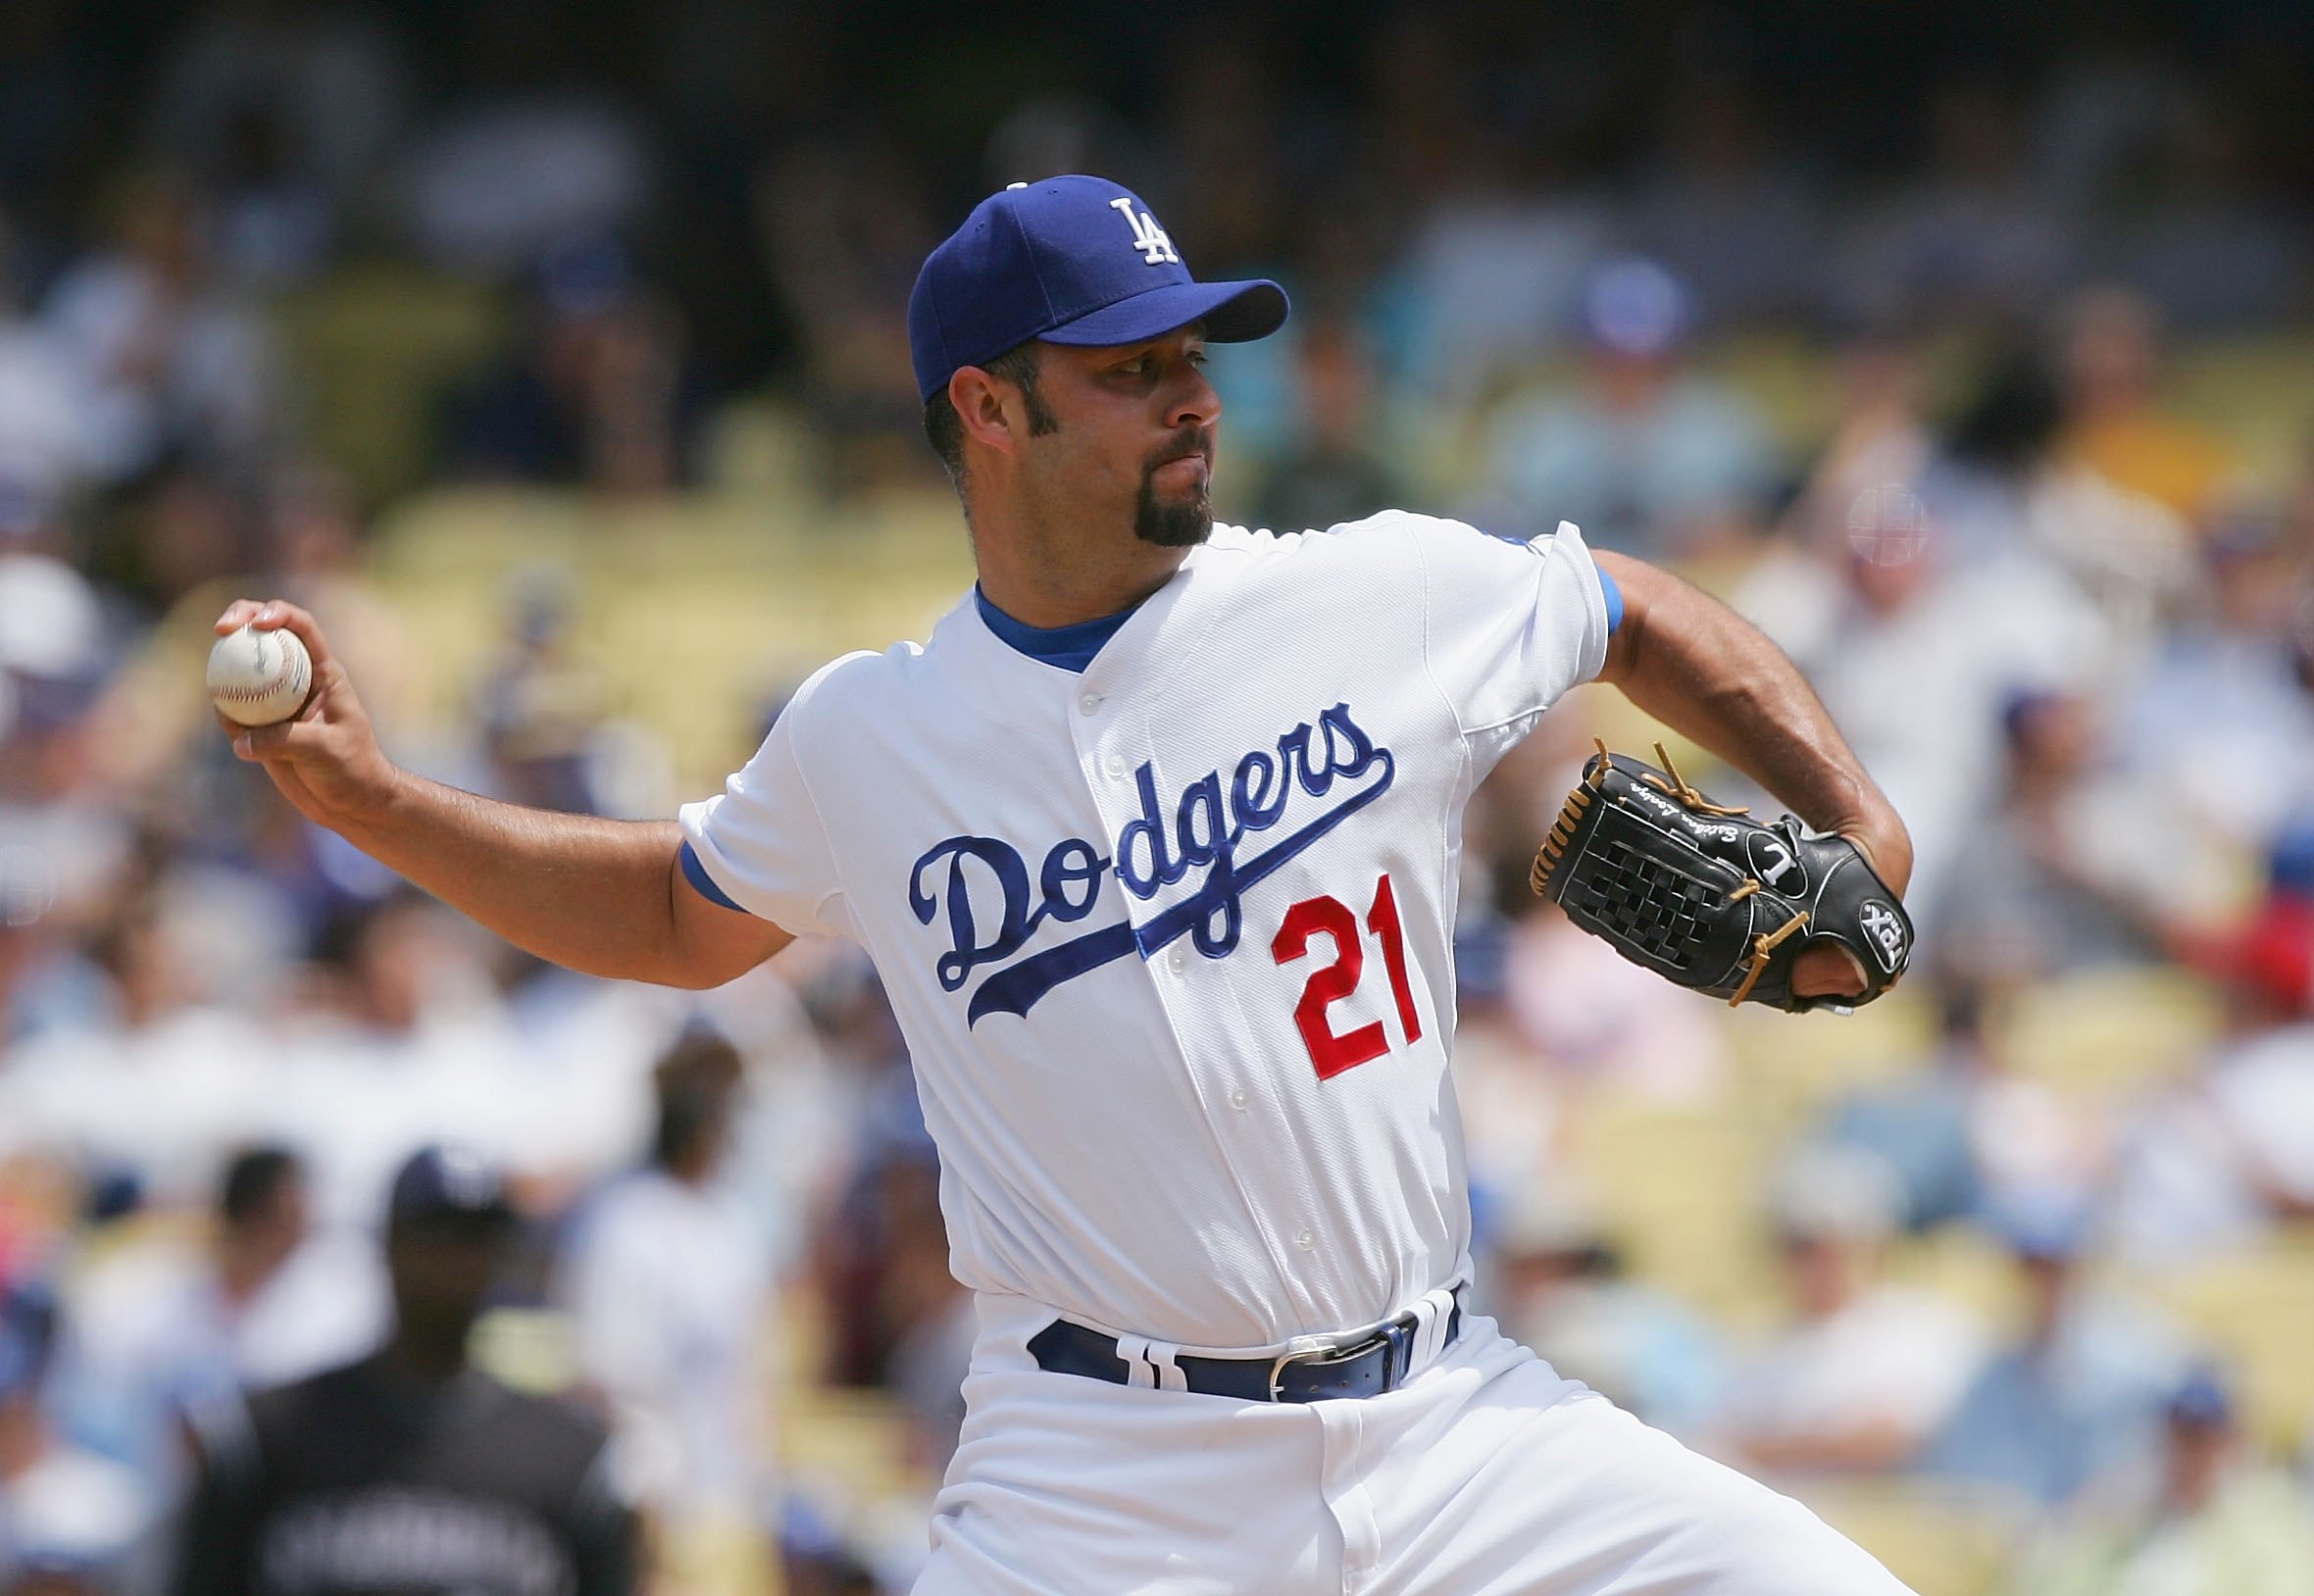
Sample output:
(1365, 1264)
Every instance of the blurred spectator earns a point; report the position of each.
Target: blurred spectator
(598, 391)
(2205, 237)
(1966, 1133)
(1879, 440)
(401, 1041)
(1919, 1124)
(186, 528)
(2213, 1162)
(1648, 456)
(173, 364)
(2226, 693)
(411, 1471)
(50, 433)
(1511, 1110)
(2218, 1523)
(2078, 1396)
(1909, 607)
(160, 1331)
(532, 151)
(1494, 276)
(901, 1319)
(69, 1517)
(845, 229)
(1726, 211)
(2060, 878)
(2005, 490)
(1332, 472)
(1867, 1370)
(671, 1297)
(44, 981)
(55, 822)
(2115, 424)
(161, 1086)
(328, 80)
(536, 706)
(282, 111)
(1592, 1017)
(1565, 1292)
(1972, 239)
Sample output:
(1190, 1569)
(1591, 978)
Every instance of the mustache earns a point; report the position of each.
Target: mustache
(1186, 443)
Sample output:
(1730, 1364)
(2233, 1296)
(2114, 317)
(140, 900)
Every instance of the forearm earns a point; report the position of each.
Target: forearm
(591, 894)
(1715, 678)
(602, 897)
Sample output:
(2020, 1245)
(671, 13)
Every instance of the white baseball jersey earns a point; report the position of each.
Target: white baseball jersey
(1170, 938)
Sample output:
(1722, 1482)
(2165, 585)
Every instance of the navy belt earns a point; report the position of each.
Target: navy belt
(1380, 1362)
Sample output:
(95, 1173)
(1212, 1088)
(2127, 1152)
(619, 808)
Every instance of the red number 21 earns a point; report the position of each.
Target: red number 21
(1328, 983)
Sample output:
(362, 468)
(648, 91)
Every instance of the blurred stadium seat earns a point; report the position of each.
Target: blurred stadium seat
(2257, 1311)
(2107, 1033)
(1939, 1542)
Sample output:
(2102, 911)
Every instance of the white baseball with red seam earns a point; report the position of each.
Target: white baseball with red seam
(258, 677)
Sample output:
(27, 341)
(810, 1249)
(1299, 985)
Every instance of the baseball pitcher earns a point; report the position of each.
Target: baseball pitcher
(1155, 842)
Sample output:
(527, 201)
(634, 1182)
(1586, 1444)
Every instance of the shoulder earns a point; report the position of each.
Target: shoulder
(831, 701)
(559, 1439)
(845, 678)
(1387, 535)
(630, 1211)
(239, 1437)
(278, 1408)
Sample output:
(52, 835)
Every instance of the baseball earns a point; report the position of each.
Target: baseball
(258, 677)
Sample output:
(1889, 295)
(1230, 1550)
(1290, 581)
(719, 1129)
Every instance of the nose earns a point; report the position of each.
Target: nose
(1192, 401)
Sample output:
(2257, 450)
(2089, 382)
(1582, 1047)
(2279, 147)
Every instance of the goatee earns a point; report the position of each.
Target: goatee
(1173, 526)
(1183, 525)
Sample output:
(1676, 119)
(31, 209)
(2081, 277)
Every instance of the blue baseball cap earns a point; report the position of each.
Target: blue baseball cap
(1069, 259)
(455, 1185)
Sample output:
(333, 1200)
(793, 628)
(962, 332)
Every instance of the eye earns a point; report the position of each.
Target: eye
(1139, 366)
(1196, 358)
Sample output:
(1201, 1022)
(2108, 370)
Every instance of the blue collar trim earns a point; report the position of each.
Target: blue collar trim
(1071, 648)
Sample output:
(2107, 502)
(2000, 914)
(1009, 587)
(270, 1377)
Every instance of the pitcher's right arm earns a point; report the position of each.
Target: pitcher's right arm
(602, 897)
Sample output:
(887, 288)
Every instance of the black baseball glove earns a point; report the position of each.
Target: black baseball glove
(1710, 898)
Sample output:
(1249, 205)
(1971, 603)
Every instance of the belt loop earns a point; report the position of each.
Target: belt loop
(1434, 1311)
(1422, 1345)
(1139, 1373)
(1161, 1355)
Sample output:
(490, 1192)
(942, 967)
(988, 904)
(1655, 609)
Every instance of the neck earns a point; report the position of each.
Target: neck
(434, 1358)
(241, 1272)
(1063, 598)
(1043, 578)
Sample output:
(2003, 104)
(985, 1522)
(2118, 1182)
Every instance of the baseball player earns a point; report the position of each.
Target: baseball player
(408, 1471)
(1155, 842)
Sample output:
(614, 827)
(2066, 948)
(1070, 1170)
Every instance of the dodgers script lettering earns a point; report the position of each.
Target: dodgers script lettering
(1203, 831)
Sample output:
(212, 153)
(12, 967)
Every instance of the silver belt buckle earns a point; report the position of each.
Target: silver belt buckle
(1321, 1355)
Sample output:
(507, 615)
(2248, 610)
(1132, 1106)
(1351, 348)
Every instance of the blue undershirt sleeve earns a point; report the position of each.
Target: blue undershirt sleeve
(696, 873)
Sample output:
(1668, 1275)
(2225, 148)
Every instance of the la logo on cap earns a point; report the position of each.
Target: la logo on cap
(1149, 238)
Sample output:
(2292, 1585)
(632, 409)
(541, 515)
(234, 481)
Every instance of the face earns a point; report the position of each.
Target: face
(441, 1272)
(1132, 439)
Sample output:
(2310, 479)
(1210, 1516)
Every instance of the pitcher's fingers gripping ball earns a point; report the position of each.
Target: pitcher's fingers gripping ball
(259, 678)
(1705, 896)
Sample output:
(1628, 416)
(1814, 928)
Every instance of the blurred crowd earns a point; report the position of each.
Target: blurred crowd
(270, 269)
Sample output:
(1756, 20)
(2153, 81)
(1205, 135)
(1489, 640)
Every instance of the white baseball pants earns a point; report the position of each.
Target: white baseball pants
(1487, 1475)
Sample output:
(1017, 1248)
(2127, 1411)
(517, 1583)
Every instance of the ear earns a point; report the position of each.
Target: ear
(989, 410)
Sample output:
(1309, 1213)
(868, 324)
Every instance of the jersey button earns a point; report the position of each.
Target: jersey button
(1237, 1099)
(1304, 1240)
(1089, 701)
(1179, 960)
(1114, 765)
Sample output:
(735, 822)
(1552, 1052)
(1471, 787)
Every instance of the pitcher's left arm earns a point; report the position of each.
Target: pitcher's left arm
(1715, 678)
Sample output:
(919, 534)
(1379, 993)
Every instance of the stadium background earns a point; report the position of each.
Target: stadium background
(552, 353)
